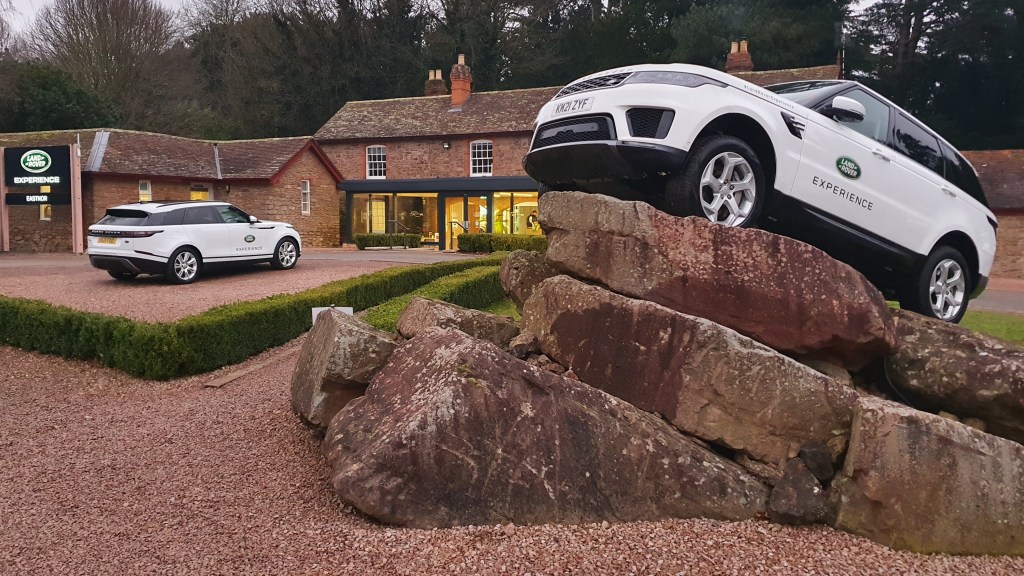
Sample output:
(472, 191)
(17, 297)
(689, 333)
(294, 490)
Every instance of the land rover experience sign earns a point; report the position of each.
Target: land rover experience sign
(848, 167)
(28, 170)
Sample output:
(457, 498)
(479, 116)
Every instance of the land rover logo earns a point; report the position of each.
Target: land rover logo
(35, 161)
(848, 167)
(250, 238)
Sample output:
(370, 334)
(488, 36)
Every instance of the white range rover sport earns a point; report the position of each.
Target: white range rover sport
(179, 239)
(830, 162)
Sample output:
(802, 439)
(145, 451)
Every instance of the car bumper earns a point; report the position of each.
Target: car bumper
(608, 160)
(127, 264)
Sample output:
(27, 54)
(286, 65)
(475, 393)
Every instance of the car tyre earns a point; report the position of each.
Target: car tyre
(941, 288)
(183, 266)
(121, 274)
(286, 254)
(723, 181)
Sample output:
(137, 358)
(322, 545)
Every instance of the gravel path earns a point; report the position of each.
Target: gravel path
(101, 473)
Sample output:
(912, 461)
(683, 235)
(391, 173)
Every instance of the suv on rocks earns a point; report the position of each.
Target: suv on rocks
(178, 239)
(829, 162)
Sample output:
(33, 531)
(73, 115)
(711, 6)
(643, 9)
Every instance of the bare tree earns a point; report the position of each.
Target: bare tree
(115, 47)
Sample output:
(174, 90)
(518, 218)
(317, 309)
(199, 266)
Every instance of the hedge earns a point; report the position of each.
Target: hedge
(482, 243)
(475, 288)
(224, 335)
(364, 241)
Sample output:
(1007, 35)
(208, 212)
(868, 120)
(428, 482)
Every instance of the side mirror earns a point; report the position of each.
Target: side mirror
(253, 219)
(845, 109)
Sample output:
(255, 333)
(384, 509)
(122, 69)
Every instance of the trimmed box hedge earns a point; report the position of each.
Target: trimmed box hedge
(364, 241)
(224, 335)
(475, 288)
(483, 243)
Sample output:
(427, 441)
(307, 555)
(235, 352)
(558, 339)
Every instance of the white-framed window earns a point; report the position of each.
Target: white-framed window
(304, 197)
(145, 191)
(45, 212)
(376, 161)
(481, 158)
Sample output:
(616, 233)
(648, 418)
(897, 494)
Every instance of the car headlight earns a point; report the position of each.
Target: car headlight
(673, 78)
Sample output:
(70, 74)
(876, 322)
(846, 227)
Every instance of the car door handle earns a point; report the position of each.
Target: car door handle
(879, 155)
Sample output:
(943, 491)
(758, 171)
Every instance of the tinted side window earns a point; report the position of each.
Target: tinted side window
(233, 215)
(960, 173)
(916, 143)
(202, 215)
(172, 218)
(876, 116)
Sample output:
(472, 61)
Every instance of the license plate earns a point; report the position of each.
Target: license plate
(577, 105)
(106, 240)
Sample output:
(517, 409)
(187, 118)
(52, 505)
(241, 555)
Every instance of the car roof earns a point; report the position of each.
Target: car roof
(166, 206)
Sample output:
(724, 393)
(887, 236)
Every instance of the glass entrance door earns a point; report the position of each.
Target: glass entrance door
(455, 222)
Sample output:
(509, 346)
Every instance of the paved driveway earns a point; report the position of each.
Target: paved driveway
(69, 280)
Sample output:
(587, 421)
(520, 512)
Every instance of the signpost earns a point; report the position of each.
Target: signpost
(41, 175)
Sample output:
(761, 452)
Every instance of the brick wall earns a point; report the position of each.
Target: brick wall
(281, 201)
(30, 234)
(427, 158)
(1009, 262)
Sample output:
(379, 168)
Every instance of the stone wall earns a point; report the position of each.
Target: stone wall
(1009, 262)
(30, 234)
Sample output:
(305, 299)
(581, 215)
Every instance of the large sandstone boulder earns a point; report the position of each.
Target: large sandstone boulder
(705, 379)
(339, 357)
(916, 481)
(776, 290)
(521, 271)
(454, 431)
(959, 371)
(421, 314)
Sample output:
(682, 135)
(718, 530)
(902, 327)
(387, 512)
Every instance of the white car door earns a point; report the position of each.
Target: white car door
(207, 232)
(248, 240)
(847, 171)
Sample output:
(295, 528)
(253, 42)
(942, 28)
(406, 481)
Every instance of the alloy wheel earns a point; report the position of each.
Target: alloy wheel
(947, 289)
(728, 189)
(185, 266)
(286, 254)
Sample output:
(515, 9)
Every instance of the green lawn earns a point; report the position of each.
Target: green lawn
(1009, 327)
(504, 308)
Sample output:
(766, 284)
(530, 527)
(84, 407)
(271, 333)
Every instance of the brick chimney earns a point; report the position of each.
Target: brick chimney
(435, 84)
(739, 58)
(462, 82)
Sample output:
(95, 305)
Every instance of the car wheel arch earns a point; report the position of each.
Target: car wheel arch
(963, 244)
(751, 131)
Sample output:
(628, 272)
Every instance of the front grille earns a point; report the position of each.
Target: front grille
(649, 122)
(593, 84)
(581, 129)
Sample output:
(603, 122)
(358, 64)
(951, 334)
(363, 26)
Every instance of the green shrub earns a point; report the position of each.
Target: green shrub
(475, 288)
(215, 338)
(364, 241)
(483, 243)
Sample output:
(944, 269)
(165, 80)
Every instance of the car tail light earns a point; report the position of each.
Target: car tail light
(125, 233)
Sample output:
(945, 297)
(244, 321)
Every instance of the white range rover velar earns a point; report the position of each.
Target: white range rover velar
(180, 239)
(829, 162)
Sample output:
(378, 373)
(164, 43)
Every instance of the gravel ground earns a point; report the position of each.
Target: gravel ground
(106, 474)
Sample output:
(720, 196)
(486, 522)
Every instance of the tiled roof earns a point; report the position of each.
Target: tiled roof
(484, 113)
(1002, 176)
(257, 158)
(766, 77)
(148, 154)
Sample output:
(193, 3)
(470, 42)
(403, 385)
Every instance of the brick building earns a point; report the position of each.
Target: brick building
(288, 179)
(1002, 177)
